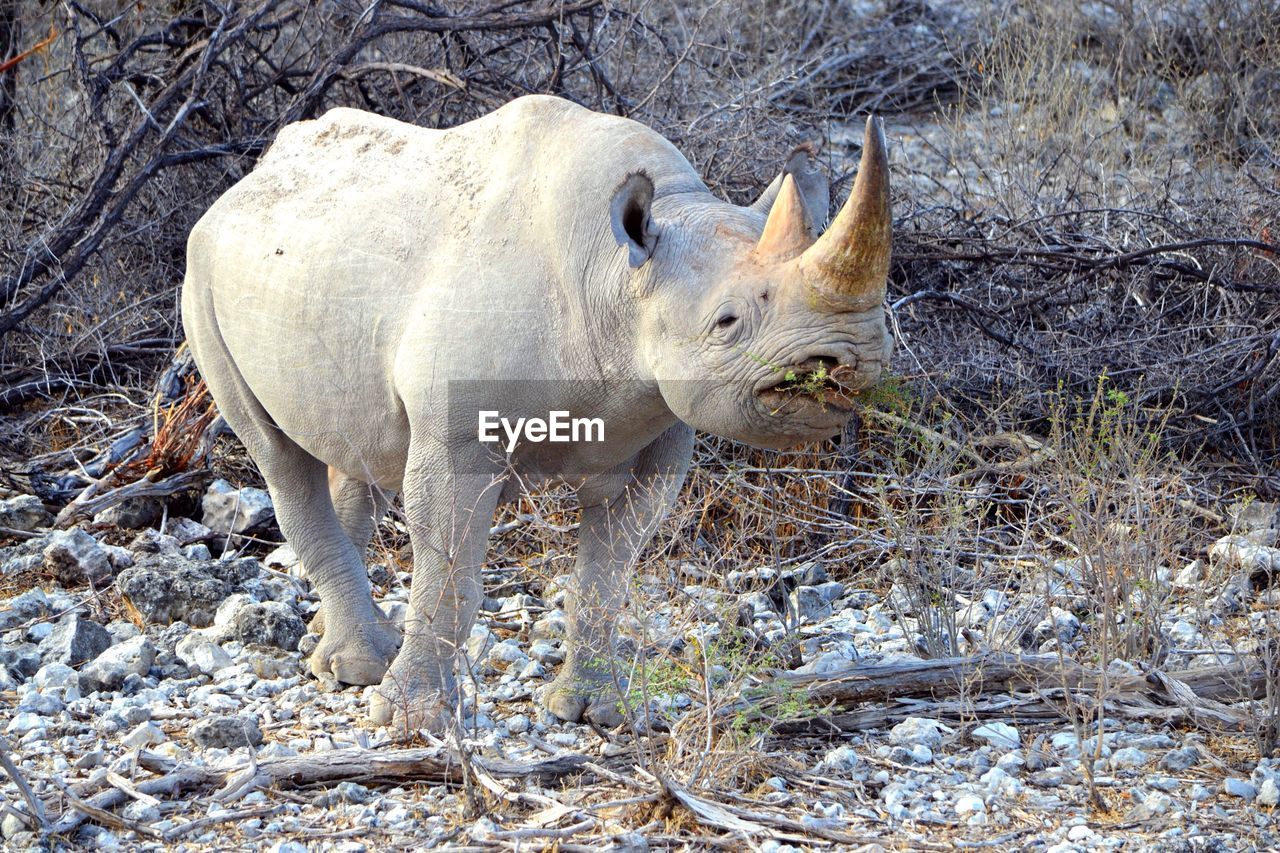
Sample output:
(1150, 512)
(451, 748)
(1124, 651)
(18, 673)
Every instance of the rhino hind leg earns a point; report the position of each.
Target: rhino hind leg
(357, 646)
(359, 507)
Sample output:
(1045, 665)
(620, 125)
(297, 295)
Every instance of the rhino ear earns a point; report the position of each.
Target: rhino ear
(630, 219)
(803, 168)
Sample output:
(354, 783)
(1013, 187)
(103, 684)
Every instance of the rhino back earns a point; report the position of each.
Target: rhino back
(365, 262)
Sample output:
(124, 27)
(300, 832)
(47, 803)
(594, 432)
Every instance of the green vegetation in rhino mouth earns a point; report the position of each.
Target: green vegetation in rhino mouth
(829, 387)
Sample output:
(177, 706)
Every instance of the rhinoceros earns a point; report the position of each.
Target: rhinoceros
(371, 283)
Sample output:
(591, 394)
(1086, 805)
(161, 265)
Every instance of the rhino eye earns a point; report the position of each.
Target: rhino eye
(726, 321)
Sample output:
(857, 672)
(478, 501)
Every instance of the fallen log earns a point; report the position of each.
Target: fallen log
(1196, 695)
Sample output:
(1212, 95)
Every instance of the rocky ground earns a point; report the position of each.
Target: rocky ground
(188, 655)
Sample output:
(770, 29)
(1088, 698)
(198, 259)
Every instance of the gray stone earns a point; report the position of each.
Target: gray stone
(480, 642)
(226, 732)
(75, 641)
(1255, 515)
(108, 671)
(11, 825)
(46, 705)
(58, 679)
(200, 653)
(198, 551)
(186, 532)
(345, 792)
(120, 558)
(552, 626)
(231, 510)
(165, 588)
(268, 623)
(1266, 777)
(1237, 787)
(283, 557)
(1128, 758)
(830, 590)
(133, 513)
(23, 608)
(546, 652)
(1177, 760)
(151, 541)
(141, 812)
(811, 573)
(21, 659)
(809, 604)
(24, 512)
(21, 564)
(762, 606)
(75, 558)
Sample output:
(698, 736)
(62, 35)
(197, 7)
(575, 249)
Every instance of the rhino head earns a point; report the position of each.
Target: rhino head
(752, 327)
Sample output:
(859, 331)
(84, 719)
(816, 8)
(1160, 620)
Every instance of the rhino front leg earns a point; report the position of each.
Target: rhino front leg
(611, 536)
(449, 506)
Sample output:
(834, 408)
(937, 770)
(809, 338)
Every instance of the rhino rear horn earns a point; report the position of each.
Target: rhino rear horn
(786, 233)
(849, 263)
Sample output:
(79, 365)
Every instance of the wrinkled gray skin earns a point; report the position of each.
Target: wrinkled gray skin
(333, 294)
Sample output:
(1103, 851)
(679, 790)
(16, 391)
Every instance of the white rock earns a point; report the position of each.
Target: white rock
(1129, 757)
(109, 670)
(58, 679)
(842, 761)
(283, 557)
(1184, 634)
(968, 804)
(1080, 834)
(145, 734)
(480, 642)
(914, 730)
(25, 722)
(202, 654)
(231, 510)
(74, 556)
(24, 512)
(1243, 552)
(998, 734)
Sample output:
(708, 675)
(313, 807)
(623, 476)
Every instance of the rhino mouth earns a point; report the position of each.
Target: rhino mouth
(820, 384)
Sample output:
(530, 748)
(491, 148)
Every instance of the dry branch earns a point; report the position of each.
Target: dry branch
(393, 765)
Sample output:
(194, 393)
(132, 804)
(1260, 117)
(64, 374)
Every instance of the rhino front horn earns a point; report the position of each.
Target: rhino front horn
(849, 264)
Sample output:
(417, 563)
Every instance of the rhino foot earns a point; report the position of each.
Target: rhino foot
(406, 706)
(585, 698)
(354, 651)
